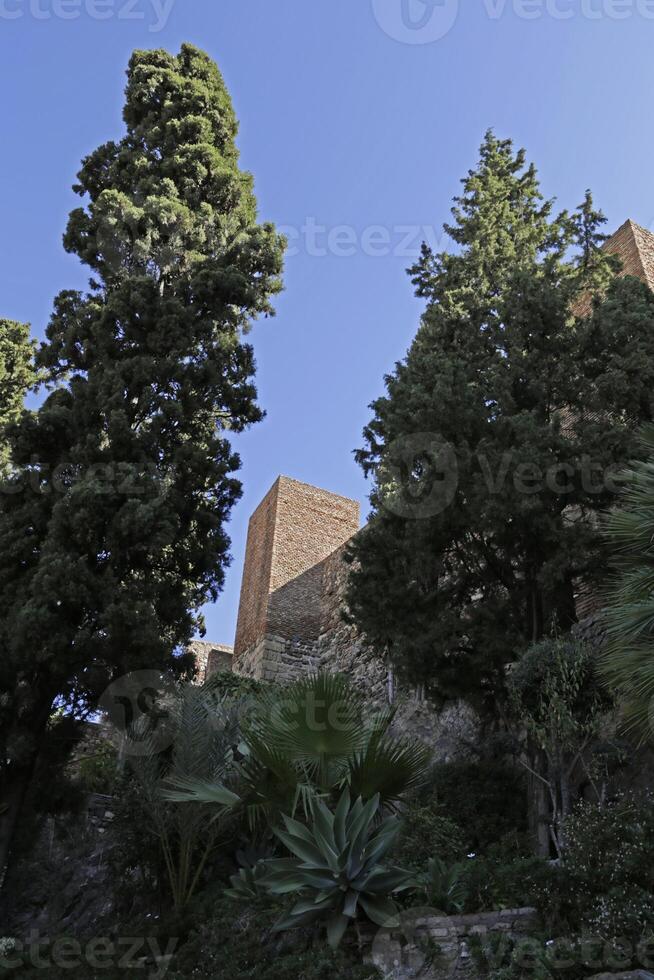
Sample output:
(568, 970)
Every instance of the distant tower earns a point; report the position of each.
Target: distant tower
(291, 533)
(635, 246)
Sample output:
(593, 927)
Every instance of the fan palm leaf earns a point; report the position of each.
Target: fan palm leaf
(628, 659)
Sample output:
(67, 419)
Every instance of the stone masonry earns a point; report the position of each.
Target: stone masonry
(292, 533)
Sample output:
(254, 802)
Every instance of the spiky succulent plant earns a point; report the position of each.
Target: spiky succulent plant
(336, 869)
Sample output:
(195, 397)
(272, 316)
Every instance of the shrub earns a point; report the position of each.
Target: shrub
(486, 799)
(606, 880)
(426, 833)
(239, 944)
(501, 881)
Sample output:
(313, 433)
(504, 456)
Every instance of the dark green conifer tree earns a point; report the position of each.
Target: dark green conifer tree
(118, 536)
(17, 376)
(492, 450)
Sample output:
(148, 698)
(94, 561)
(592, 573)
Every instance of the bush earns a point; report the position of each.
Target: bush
(427, 834)
(238, 943)
(606, 881)
(486, 799)
(503, 881)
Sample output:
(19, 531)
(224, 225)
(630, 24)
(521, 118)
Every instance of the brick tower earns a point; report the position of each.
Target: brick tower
(295, 528)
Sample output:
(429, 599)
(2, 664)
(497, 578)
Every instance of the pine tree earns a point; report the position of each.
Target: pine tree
(17, 376)
(118, 537)
(490, 450)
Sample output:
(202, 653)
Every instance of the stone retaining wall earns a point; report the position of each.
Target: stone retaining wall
(435, 947)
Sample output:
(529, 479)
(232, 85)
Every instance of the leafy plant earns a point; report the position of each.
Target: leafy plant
(249, 883)
(336, 867)
(444, 886)
(425, 832)
(605, 883)
(310, 740)
(560, 705)
(241, 947)
(203, 734)
(627, 663)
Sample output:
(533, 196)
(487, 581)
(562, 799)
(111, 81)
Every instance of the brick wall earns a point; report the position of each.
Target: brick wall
(291, 533)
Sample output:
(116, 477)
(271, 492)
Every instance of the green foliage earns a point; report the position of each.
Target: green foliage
(558, 702)
(203, 738)
(505, 879)
(149, 376)
(628, 665)
(444, 886)
(225, 684)
(249, 883)
(98, 771)
(606, 881)
(476, 448)
(425, 832)
(313, 738)
(555, 691)
(17, 376)
(239, 943)
(486, 799)
(337, 869)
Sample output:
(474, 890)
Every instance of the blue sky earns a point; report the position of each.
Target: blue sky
(357, 120)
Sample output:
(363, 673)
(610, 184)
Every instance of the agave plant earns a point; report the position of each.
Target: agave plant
(249, 883)
(445, 886)
(336, 869)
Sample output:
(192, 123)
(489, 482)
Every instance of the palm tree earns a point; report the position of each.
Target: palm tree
(204, 731)
(628, 660)
(311, 740)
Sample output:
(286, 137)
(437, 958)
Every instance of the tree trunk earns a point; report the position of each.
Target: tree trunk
(539, 809)
(17, 777)
(13, 797)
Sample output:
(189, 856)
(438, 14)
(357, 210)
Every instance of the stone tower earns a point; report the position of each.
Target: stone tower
(291, 534)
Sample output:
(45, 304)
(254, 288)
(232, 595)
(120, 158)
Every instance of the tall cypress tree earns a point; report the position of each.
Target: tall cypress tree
(490, 450)
(17, 376)
(118, 536)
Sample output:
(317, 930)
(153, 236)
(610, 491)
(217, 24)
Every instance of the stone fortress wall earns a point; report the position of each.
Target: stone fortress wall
(290, 621)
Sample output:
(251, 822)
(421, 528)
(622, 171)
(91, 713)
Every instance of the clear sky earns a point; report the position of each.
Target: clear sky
(358, 118)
